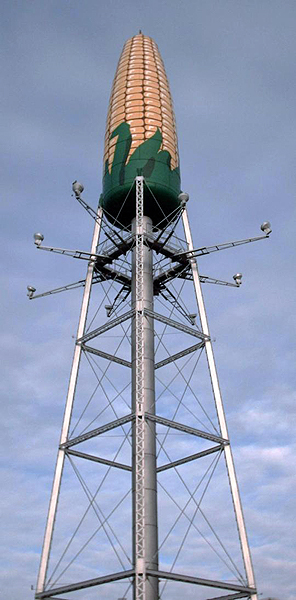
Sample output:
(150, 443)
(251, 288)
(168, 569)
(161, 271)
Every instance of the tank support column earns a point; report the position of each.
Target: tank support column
(145, 535)
(221, 415)
(53, 505)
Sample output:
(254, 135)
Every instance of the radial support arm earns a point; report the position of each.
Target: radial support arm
(64, 288)
(206, 279)
(81, 254)
(220, 412)
(194, 252)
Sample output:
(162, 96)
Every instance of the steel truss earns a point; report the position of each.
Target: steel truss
(144, 282)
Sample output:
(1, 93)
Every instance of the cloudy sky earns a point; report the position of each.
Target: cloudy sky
(231, 67)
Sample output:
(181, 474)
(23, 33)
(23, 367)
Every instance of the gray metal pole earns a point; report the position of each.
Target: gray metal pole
(67, 416)
(145, 534)
(221, 415)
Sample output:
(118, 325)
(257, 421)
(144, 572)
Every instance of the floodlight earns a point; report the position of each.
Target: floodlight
(31, 291)
(108, 308)
(77, 188)
(183, 197)
(266, 227)
(238, 279)
(38, 238)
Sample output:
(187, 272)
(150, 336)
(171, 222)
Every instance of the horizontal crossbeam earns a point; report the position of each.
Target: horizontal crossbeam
(175, 324)
(117, 359)
(223, 585)
(234, 596)
(178, 355)
(82, 585)
(106, 327)
(186, 459)
(186, 429)
(230, 596)
(98, 459)
(98, 431)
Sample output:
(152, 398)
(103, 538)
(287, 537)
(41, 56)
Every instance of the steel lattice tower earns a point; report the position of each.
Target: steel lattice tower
(140, 258)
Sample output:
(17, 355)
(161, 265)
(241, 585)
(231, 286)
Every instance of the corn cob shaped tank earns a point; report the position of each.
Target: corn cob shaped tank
(140, 137)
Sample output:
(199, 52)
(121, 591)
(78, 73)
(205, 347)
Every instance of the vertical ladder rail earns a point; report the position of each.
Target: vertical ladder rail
(44, 561)
(140, 566)
(221, 414)
(145, 530)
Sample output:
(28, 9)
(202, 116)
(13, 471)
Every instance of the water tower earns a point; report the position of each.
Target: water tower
(144, 432)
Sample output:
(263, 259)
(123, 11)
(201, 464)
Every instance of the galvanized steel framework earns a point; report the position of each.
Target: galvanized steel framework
(145, 574)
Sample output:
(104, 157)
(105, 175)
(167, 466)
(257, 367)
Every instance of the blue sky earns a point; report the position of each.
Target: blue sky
(231, 67)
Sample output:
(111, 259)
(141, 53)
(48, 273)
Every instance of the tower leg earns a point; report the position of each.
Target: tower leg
(221, 415)
(145, 535)
(67, 417)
